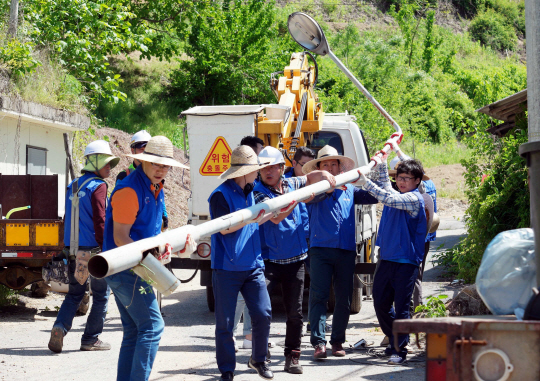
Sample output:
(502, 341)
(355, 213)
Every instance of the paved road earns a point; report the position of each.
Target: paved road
(187, 349)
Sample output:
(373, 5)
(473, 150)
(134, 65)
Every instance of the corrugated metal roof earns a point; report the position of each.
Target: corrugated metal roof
(506, 110)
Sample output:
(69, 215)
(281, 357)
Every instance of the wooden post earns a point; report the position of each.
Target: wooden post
(13, 18)
(67, 147)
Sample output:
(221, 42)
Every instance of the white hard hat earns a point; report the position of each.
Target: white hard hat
(97, 147)
(141, 136)
(271, 153)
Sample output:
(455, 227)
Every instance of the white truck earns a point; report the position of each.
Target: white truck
(214, 131)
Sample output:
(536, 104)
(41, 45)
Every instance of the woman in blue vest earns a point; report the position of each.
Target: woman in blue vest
(91, 192)
(332, 251)
(237, 266)
(134, 213)
(401, 237)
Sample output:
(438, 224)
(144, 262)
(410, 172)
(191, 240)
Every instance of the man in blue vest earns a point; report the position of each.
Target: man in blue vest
(431, 190)
(284, 247)
(83, 236)
(237, 265)
(332, 251)
(137, 145)
(135, 213)
(401, 237)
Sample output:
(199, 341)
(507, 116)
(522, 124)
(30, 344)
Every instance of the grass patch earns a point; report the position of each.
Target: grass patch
(8, 297)
(147, 106)
(432, 155)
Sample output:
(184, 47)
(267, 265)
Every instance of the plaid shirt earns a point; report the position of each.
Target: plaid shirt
(388, 196)
(295, 183)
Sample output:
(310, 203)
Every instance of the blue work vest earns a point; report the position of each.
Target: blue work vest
(87, 235)
(286, 239)
(401, 238)
(303, 207)
(241, 250)
(432, 191)
(332, 221)
(148, 221)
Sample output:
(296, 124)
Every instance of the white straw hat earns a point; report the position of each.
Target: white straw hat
(329, 153)
(244, 161)
(159, 150)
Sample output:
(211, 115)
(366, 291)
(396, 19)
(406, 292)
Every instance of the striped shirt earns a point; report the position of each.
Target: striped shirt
(389, 196)
(295, 183)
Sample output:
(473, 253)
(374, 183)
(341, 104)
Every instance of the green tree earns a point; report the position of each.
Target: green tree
(233, 48)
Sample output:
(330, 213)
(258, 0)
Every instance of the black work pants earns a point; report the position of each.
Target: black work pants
(291, 277)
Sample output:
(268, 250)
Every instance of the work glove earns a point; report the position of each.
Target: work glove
(259, 217)
(400, 137)
(190, 245)
(361, 180)
(380, 157)
(393, 145)
(286, 209)
(164, 223)
(166, 256)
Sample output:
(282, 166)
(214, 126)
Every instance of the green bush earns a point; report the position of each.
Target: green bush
(8, 296)
(492, 29)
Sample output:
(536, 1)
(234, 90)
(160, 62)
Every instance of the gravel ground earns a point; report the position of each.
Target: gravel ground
(187, 349)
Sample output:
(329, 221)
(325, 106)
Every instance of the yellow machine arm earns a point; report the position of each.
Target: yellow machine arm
(294, 89)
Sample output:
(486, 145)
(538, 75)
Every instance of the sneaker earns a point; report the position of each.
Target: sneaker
(261, 368)
(97, 346)
(397, 359)
(57, 340)
(247, 344)
(292, 364)
(337, 350)
(388, 351)
(385, 341)
(227, 376)
(320, 351)
(271, 344)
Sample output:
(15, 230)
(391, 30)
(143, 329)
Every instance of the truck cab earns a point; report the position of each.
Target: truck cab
(216, 130)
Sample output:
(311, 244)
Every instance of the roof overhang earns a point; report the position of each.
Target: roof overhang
(43, 115)
(506, 109)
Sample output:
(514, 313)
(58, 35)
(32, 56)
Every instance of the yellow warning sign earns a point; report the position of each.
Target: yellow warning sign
(218, 159)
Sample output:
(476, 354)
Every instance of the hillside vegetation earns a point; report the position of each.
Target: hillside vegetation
(430, 63)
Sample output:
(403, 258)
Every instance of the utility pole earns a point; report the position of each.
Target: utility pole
(531, 150)
(13, 18)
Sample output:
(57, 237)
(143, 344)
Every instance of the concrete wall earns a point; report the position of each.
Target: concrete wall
(36, 135)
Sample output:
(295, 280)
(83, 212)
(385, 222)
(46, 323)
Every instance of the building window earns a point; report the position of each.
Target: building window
(36, 160)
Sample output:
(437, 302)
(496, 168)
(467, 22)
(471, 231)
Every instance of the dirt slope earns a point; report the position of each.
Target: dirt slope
(177, 183)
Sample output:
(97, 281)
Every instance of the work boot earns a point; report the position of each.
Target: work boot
(337, 350)
(57, 340)
(97, 346)
(227, 376)
(320, 351)
(261, 368)
(292, 364)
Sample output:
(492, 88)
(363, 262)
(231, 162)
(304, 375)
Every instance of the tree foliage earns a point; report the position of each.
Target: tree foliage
(232, 47)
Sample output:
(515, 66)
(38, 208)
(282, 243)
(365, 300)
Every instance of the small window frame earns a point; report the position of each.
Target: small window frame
(28, 147)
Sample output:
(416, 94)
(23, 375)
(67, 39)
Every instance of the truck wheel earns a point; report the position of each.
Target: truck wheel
(356, 302)
(210, 298)
(39, 289)
(331, 299)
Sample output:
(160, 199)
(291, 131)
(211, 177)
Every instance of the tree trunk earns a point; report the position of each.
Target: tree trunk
(13, 18)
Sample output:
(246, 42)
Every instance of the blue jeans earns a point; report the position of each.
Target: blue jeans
(252, 285)
(96, 317)
(327, 264)
(241, 309)
(142, 324)
(393, 285)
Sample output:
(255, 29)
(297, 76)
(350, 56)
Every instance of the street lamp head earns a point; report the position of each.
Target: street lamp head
(307, 33)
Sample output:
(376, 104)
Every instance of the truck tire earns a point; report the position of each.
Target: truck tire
(331, 299)
(210, 298)
(39, 289)
(356, 302)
